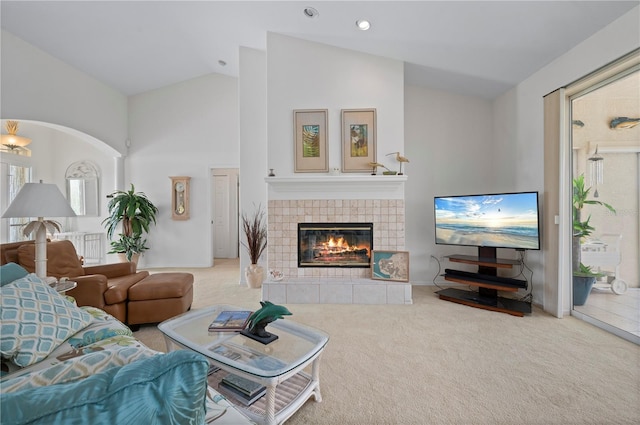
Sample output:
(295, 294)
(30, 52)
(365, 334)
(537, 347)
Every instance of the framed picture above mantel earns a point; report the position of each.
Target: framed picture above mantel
(358, 140)
(310, 138)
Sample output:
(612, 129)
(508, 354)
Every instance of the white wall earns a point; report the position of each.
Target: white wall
(36, 86)
(518, 115)
(182, 130)
(42, 93)
(307, 75)
(449, 141)
(252, 94)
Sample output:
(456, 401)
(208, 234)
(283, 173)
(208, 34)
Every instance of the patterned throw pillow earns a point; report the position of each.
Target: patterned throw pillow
(35, 320)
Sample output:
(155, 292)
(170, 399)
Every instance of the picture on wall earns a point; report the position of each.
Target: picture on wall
(358, 140)
(310, 138)
(390, 265)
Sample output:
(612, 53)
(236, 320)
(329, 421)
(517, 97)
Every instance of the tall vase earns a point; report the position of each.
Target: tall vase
(254, 275)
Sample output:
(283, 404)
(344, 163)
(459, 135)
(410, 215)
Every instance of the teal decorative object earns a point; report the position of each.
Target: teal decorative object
(261, 318)
(624, 122)
(578, 123)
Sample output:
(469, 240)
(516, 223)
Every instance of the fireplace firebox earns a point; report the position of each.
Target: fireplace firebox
(335, 244)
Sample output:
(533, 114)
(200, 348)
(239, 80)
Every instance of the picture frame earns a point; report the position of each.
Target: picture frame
(358, 140)
(390, 265)
(310, 138)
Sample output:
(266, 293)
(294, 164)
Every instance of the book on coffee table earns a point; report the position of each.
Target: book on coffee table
(238, 395)
(245, 390)
(230, 321)
(244, 385)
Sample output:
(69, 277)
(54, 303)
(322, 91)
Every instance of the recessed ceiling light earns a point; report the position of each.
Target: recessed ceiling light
(222, 63)
(363, 24)
(310, 12)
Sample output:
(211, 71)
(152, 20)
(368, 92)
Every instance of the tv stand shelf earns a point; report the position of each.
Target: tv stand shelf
(487, 295)
(488, 285)
(476, 299)
(502, 263)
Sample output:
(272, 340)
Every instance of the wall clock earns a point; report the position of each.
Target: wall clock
(180, 197)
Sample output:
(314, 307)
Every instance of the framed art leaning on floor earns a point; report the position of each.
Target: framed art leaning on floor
(390, 265)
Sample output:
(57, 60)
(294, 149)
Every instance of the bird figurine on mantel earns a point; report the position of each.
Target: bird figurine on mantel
(400, 159)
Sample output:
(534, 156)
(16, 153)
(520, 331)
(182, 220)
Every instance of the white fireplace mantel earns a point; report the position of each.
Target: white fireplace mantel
(336, 187)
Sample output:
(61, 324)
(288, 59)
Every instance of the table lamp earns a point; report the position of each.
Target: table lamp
(40, 200)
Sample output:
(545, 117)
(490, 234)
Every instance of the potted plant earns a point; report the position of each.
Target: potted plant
(130, 246)
(255, 231)
(583, 279)
(583, 276)
(135, 212)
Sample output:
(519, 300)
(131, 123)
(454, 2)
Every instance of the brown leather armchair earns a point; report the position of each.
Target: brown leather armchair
(104, 286)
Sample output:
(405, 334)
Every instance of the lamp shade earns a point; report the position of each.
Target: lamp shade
(39, 200)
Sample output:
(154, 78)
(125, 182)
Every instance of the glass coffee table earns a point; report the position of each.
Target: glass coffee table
(279, 366)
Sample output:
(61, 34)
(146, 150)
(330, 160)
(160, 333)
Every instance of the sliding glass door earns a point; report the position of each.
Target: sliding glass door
(605, 137)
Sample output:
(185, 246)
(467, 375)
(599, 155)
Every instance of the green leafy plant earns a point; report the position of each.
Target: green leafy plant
(582, 228)
(135, 212)
(255, 231)
(587, 271)
(129, 245)
(580, 199)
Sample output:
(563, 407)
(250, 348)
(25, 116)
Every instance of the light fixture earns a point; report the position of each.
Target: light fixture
(40, 200)
(310, 12)
(11, 140)
(363, 24)
(596, 171)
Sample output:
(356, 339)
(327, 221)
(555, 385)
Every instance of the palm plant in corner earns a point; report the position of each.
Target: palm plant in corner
(255, 231)
(136, 213)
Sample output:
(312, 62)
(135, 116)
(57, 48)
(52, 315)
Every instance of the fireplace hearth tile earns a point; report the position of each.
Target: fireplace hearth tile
(303, 294)
(277, 294)
(308, 290)
(399, 294)
(370, 294)
(335, 294)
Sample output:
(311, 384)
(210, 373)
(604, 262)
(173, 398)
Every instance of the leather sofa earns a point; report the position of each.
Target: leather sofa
(103, 286)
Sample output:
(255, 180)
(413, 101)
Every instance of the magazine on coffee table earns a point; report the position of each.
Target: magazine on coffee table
(230, 320)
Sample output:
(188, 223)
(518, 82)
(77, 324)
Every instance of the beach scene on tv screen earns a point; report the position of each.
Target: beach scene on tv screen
(501, 221)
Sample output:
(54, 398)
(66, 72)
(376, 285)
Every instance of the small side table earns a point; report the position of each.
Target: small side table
(65, 286)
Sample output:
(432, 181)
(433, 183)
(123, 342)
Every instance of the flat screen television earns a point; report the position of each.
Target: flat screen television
(500, 220)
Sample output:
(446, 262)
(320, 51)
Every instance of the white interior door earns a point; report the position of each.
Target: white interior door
(225, 212)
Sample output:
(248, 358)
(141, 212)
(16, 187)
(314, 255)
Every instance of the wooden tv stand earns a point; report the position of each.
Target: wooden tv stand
(487, 296)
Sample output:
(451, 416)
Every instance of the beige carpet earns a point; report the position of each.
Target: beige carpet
(435, 362)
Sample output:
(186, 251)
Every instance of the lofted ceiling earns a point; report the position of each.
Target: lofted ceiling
(478, 48)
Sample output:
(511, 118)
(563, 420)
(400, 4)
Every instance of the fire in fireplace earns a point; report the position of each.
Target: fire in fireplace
(335, 244)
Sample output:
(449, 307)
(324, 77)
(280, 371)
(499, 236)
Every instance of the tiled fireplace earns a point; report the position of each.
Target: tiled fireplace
(333, 199)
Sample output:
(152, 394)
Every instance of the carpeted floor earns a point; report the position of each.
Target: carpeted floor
(435, 362)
